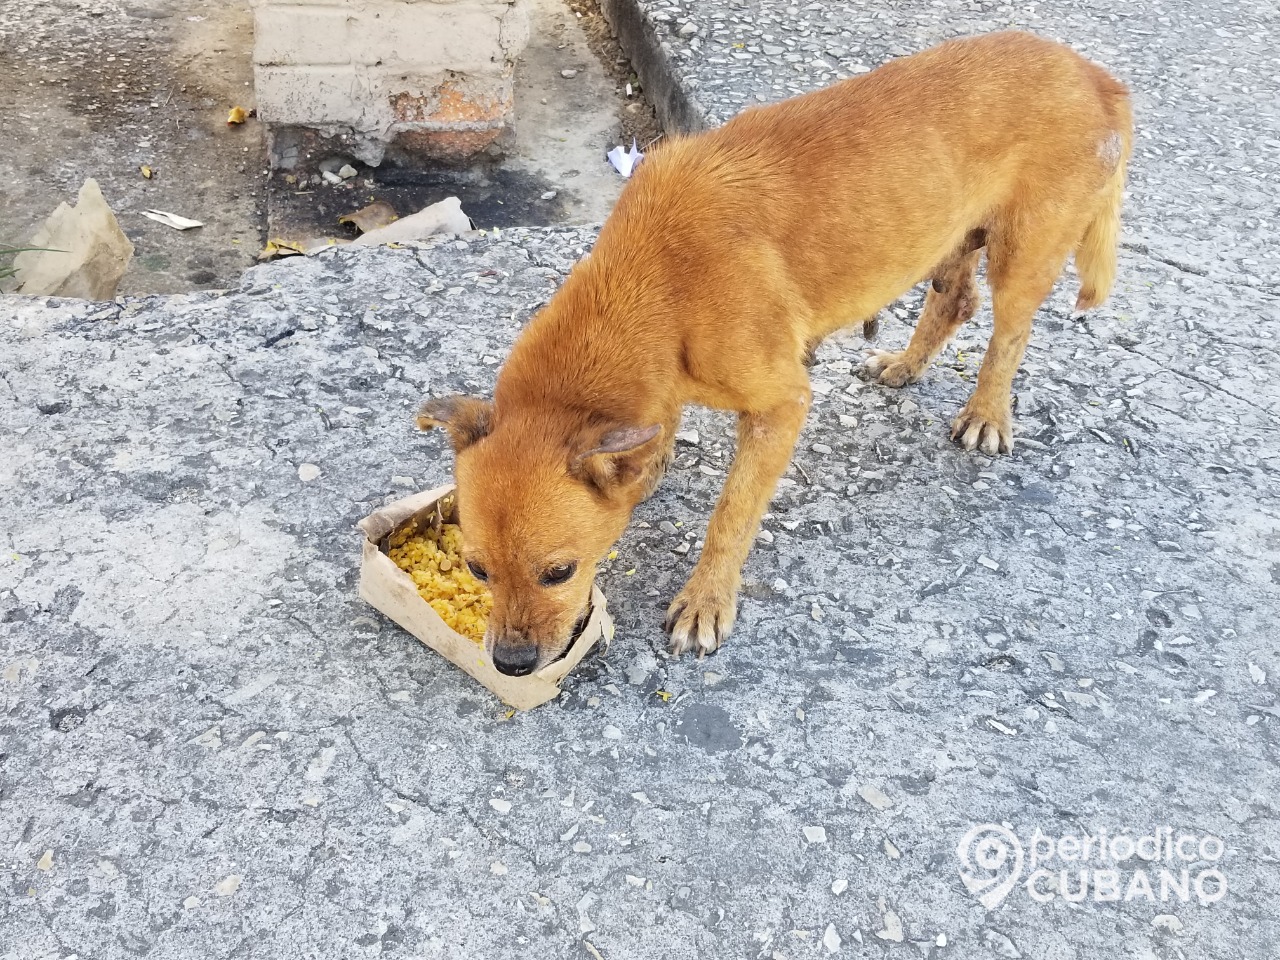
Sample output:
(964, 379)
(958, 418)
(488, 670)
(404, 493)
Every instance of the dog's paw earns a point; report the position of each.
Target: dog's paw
(701, 617)
(985, 430)
(888, 367)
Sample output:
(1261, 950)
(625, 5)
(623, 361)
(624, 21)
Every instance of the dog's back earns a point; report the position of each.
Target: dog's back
(862, 188)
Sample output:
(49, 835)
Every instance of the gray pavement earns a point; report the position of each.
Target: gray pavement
(209, 747)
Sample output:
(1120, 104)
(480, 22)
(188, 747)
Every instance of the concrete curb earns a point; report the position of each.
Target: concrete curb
(671, 97)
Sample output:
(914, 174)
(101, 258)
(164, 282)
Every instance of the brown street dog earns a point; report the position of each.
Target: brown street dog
(728, 257)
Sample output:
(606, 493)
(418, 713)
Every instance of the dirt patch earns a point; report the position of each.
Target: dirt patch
(634, 112)
(97, 89)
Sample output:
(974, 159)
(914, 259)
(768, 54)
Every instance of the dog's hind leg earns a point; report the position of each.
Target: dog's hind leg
(703, 613)
(952, 299)
(1020, 278)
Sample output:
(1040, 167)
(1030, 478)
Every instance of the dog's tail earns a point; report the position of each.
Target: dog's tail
(1096, 251)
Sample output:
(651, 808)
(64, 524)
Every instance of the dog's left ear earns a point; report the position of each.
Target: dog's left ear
(465, 419)
(618, 460)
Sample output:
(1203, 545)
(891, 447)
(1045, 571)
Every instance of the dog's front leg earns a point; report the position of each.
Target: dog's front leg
(702, 614)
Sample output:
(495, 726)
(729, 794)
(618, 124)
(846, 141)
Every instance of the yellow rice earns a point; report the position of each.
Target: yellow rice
(434, 560)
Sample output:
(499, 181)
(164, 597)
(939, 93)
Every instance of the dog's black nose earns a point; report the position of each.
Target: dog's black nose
(515, 661)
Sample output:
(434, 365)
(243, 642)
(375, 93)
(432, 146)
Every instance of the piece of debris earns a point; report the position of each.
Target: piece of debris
(308, 472)
(230, 885)
(502, 806)
(84, 253)
(45, 863)
(236, 116)
(624, 160)
(875, 796)
(172, 219)
(331, 178)
(831, 939)
(892, 928)
(371, 217)
(348, 172)
(1167, 921)
(568, 74)
(815, 834)
(147, 172)
(443, 217)
(281, 248)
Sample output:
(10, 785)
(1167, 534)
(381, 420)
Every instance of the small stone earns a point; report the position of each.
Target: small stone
(228, 886)
(892, 928)
(582, 847)
(634, 881)
(498, 868)
(988, 562)
(502, 806)
(1257, 673)
(45, 863)
(309, 322)
(1167, 921)
(308, 472)
(191, 903)
(612, 733)
(667, 527)
(549, 195)
(875, 796)
(891, 851)
(815, 834)
(821, 448)
(689, 437)
(568, 74)
(347, 171)
(50, 407)
(331, 178)
(831, 939)
(839, 886)
(981, 485)
(689, 29)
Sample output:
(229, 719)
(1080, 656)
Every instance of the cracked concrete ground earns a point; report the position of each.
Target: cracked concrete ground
(210, 747)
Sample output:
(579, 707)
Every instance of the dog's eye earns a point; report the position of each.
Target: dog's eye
(478, 571)
(559, 574)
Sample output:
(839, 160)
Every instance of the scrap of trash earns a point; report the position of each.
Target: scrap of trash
(624, 160)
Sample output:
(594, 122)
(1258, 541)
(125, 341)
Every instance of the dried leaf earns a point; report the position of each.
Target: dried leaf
(237, 115)
(281, 248)
(375, 215)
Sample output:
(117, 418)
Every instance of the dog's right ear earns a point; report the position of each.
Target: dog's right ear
(465, 419)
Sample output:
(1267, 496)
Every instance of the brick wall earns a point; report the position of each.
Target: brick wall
(433, 77)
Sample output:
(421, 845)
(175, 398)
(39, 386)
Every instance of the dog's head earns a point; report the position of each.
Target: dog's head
(540, 502)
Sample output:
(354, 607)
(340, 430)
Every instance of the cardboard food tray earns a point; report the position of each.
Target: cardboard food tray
(393, 592)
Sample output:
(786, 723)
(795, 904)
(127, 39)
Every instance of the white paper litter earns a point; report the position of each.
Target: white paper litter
(172, 219)
(624, 160)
